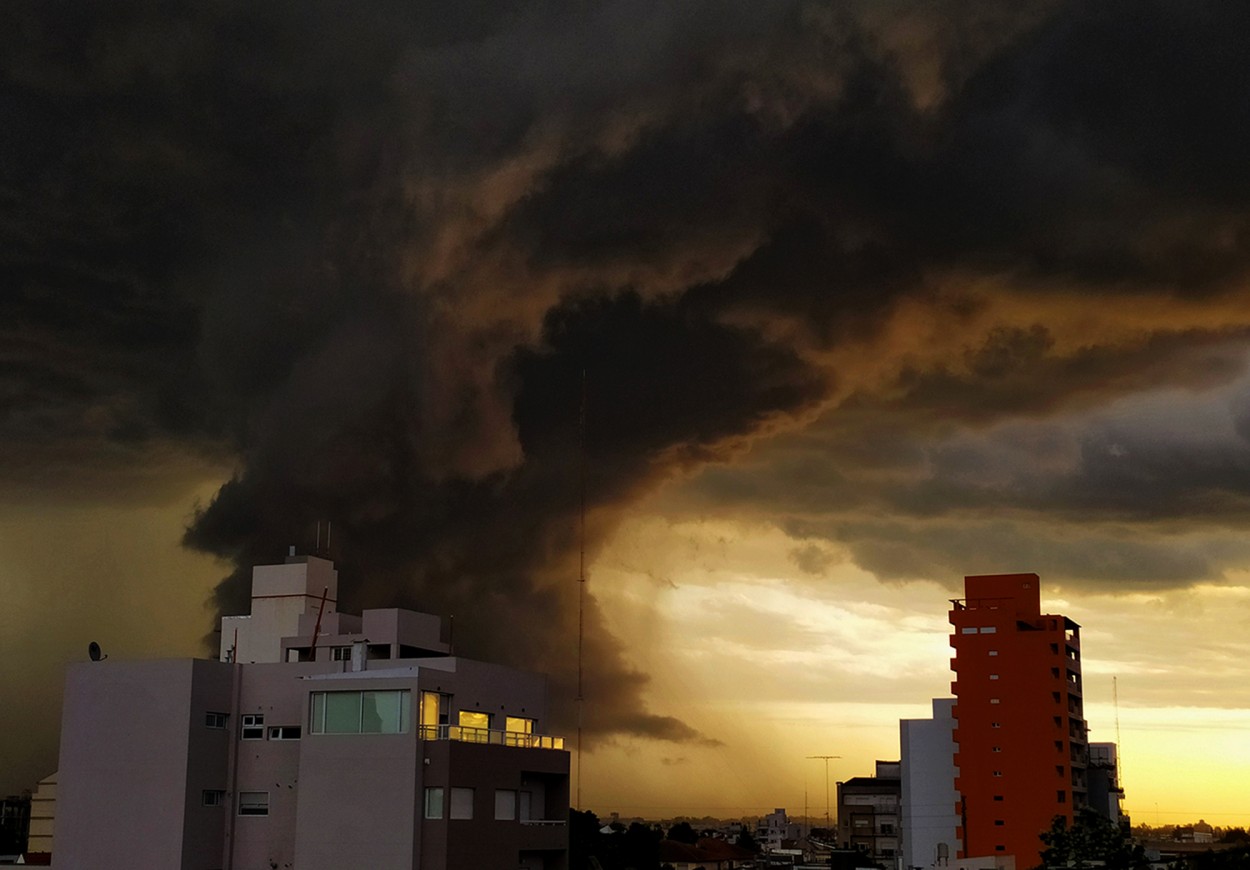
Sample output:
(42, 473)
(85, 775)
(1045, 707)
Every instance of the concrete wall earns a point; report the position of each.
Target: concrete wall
(928, 781)
(134, 757)
(485, 841)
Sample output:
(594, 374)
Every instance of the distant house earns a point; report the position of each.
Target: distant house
(709, 853)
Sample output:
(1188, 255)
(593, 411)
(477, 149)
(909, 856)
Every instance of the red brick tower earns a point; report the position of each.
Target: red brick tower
(1020, 729)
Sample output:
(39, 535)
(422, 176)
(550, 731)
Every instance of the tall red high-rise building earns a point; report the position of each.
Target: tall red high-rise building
(1020, 741)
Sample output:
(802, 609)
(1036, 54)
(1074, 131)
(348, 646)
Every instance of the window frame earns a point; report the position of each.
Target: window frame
(435, 796)
(252, 726)
(215, 720)
(255, 808)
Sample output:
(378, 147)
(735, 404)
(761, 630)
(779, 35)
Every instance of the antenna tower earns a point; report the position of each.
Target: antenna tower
(1119, 750)
(581, 580)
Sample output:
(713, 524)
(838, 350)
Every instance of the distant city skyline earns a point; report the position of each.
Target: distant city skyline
(866, 297)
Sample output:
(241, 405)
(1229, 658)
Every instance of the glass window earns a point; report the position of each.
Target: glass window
(253, 803)
(461, 803)
(505, 803)
(967, 631)
(343, 712)
(384, 712)
(429, 709)
(519, 725)
(284, 732)
(341, 653)
(989, 629)
(360, 712)
(213, 797)
(469, 719)
(434, 803)
(215, 720)
(253, 727)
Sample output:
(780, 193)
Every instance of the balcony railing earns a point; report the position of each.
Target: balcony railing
(466, 734)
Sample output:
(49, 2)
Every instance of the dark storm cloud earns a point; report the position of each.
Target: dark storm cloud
(370, 252)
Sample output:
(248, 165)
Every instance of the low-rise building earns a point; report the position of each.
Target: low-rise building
(317, 740)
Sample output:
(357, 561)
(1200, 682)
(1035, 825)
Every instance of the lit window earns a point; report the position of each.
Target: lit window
(215, 720)
(505, 803)
(461, 803)
(435, 713)
(470, 719)
(434, 803)
(212, 797)
(360, 712)
(519, 724)
(474, 726)
(284, 732)
(253, 803)
(253, 727)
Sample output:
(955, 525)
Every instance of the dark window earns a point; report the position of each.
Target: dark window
(284, 732)
(215, 720)
(998, 797)
(1061, 796)
(253, 803)
(213, 797)
(253, 727)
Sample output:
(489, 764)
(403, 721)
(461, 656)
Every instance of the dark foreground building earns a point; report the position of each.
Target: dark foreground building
(318, 740)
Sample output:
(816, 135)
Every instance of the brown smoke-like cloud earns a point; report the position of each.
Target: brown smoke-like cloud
(371, 252)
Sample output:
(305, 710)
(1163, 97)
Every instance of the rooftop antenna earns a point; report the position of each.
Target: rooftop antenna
(93, 651)
(581, 581)
(317, 549)
(828, 817)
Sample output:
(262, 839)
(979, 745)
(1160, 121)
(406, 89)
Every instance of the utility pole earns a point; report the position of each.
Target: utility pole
(828, 818)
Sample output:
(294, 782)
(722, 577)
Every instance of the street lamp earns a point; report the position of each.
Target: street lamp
(828, 819)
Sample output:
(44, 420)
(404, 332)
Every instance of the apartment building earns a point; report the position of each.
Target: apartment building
(317, 740)
(868, 813)
(1019, 732)
(929, 822)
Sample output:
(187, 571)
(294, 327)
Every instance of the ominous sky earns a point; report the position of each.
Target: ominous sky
(866, 296)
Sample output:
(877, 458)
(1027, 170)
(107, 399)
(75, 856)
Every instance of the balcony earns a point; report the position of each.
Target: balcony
(465, 734)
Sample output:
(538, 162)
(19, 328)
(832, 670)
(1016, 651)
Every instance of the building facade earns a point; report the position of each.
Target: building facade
(1103, 780)
(929, 823)
(1020, 736)
(869, 813)
(317, 740)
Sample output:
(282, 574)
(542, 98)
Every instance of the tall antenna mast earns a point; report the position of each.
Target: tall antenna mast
(581, 581)
(1119, 750)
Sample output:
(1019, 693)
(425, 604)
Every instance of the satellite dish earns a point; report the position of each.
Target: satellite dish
(93, 650)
